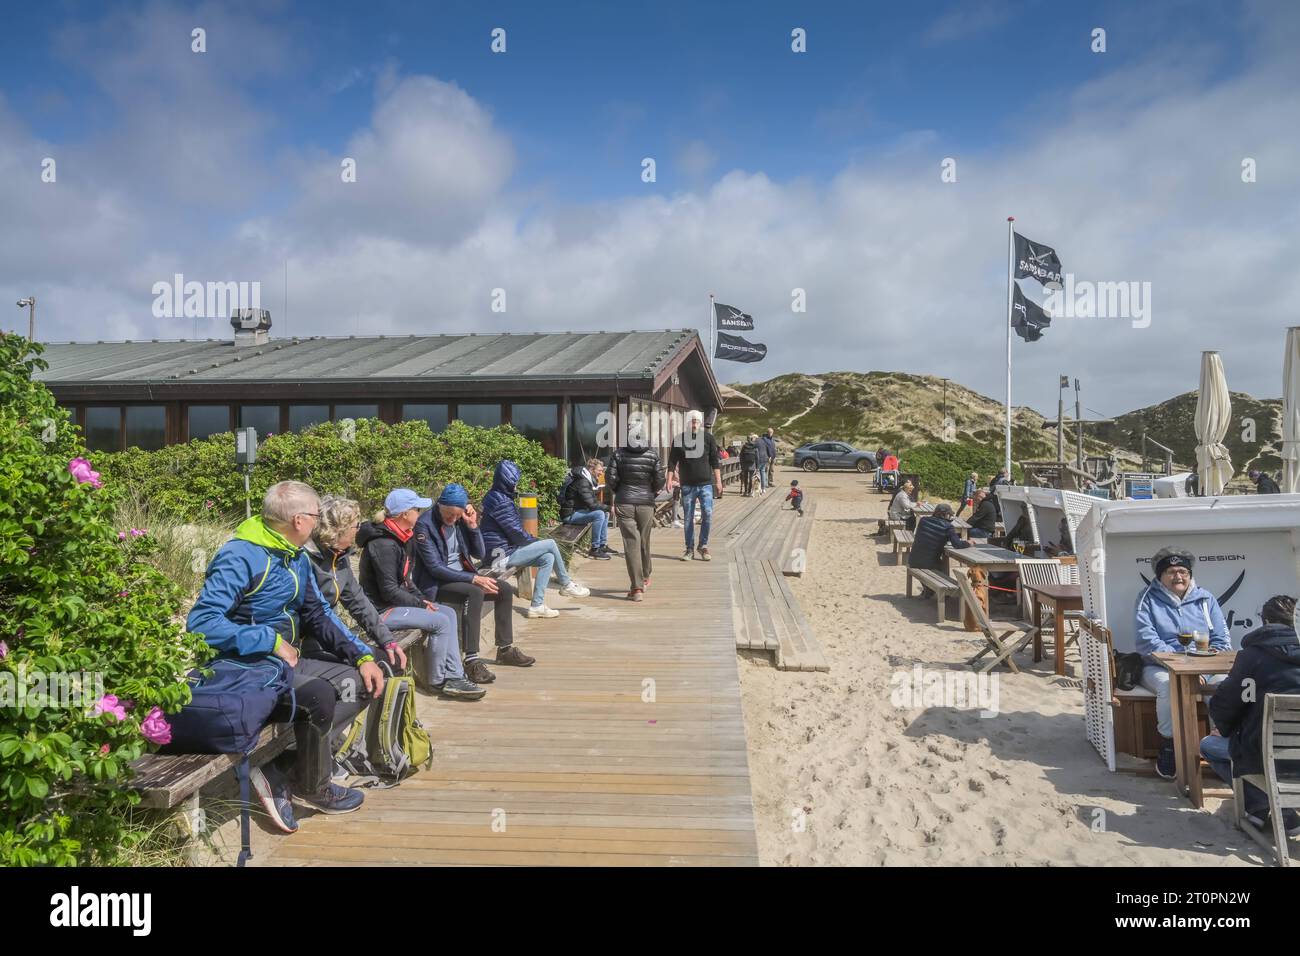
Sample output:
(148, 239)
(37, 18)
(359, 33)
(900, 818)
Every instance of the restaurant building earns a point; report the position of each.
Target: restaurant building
(550, 386)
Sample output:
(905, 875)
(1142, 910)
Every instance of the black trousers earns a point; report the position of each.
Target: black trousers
(467, 599)
(328, 695)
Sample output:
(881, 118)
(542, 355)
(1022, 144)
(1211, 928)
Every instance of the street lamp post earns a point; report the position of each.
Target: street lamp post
(29, 303)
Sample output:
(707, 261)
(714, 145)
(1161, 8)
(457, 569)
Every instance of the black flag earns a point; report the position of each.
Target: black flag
(731, 319)
(1028, 318)
(736, 349)
(1033, 259)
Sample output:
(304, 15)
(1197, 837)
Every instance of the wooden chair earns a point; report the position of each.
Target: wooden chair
(1281, 735)
(996, 634)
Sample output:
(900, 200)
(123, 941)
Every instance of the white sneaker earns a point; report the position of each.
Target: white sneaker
(574, 589)
(677, 524)
(542, 611)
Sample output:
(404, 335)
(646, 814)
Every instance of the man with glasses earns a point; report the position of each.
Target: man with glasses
(1173, 604)
(260, 599)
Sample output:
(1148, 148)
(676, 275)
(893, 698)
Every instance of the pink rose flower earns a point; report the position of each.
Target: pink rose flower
(109, 704)
(81, 470)
(4, 650)
(121, 536)
(104, 749)
(155, 727)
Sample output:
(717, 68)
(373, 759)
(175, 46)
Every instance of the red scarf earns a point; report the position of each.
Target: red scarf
(393, 526)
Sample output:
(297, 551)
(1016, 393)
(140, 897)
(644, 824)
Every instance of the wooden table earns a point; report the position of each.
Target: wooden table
(1185, 691)
(980, 559)
(1062, 598)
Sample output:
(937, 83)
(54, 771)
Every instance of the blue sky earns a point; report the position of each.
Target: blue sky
(775, 170)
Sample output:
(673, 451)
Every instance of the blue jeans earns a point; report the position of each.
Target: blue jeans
(762, 475)
(542, 554)
(977, 533)
(1215, 751)
(703, 494)
(439, 659)
(599, 522)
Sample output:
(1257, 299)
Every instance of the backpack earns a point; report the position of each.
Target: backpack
(386, 742)
(226, 714)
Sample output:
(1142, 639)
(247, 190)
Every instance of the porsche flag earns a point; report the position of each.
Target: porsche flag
(735, 349)
(1027, 317)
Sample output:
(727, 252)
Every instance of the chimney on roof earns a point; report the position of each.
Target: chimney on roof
(252, 326)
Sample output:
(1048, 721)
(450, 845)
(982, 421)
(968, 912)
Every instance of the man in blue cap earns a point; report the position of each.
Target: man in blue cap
(510, 546)
(448, 545)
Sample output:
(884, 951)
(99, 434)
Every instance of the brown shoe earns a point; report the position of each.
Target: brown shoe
(512, 656)
(478, 672)
(634, 594)
(704, 555)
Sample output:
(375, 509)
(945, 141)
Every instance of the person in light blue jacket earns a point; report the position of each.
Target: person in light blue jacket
(1170, 605)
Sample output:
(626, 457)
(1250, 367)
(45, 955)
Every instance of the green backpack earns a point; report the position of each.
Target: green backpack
(386, 743)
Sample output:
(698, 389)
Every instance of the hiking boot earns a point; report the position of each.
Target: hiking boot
(477, 672)
(541, 610)
(599, 554)
(512, 656)
(273, 790)
(334, 799)
(704, 554)
(574, 589)
(458, 688)
(1166, 765)
(634, 594)
(688, 554)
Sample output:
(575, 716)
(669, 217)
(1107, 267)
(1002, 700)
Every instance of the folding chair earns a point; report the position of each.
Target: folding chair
(996, 634)
(1281, 735)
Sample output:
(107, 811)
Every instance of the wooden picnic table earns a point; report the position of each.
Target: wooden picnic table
(1185, 691)
(980, 559)
(1061, 598)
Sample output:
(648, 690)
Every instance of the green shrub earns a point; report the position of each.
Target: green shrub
(365, 460)
(943, 466)
(78, 596)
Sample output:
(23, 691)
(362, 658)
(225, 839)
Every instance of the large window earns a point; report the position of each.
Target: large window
(585, 425)
(208, 420)
(104, 428)
(304, 416)
(538, 422)
(146, 426)
(265, 418)
(355, 411)
(479, 414)
(435, 415)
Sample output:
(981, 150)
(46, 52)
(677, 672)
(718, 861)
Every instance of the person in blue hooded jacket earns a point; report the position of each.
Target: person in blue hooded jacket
(260, 599)
(510, 546)
(1170, 605)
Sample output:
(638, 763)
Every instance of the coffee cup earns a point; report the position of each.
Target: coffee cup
(1202, 641)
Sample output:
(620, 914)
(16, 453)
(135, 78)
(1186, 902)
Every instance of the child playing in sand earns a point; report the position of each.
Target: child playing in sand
(795, 497)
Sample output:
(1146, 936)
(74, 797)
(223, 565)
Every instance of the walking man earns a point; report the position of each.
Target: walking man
(694, 460)
(770, 440)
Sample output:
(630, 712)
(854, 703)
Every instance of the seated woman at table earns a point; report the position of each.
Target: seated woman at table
(1270, 659)
(1170, 605)
(901, 505)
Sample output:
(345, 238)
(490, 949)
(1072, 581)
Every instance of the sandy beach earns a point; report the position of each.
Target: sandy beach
(843, 775)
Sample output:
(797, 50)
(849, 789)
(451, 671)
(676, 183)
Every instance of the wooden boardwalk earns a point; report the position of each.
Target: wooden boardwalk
(623, 745)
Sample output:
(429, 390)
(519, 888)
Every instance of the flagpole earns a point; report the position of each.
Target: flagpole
(1011, 263)
(712, 333)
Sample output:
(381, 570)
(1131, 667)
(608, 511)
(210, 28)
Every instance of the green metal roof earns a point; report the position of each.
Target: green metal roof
(488, 356)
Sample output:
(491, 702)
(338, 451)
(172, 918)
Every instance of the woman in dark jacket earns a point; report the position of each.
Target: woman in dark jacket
(748, 465)
(386, 600)
(1270, 660)
(635, 478)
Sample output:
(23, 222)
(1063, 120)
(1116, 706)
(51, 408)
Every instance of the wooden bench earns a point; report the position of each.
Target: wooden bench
(890, 524)
(936, 581)
(171, 781)
(903, 540)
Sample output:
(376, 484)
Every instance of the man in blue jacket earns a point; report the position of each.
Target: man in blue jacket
(260, 599)
(510, 546)
(1268, 663)
(1173, 604)
(448, 543)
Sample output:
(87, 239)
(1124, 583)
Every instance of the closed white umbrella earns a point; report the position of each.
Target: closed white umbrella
(1291, 413)
(1213, 415)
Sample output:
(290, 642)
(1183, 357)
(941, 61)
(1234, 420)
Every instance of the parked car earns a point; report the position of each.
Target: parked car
(833, 454)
